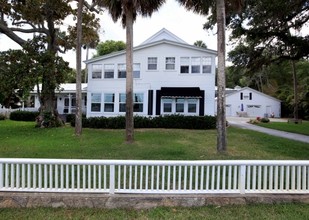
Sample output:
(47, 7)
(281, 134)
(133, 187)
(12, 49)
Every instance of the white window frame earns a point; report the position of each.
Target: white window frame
(96, 71)
(109, 68)
(185, 62)
(170, 63)
(136, 70)
(206, 63)
(174, 102)
(121, 69)
(152, 63)
(97, 100)
(107, 101)
(195, 64)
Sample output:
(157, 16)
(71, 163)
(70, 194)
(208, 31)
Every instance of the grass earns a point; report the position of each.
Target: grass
(302, 128)
(252, 212)
(22, 140)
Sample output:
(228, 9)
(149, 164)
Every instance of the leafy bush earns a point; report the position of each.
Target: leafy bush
(2, 117)
(23, 116)
(265, 120)
(167, 121)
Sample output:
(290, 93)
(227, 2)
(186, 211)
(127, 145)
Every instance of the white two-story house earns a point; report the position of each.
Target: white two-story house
(170, 77)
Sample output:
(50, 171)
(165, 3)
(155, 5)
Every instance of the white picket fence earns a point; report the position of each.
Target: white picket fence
(164, 177)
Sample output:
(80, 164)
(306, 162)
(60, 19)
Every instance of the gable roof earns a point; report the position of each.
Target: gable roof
(163, 34)
(252, 90)
(161, 37)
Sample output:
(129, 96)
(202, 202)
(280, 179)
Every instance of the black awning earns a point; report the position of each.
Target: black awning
(180, 92)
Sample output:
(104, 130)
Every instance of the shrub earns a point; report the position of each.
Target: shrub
(23, 116)
(167, 121)
(2, 117)
(265, 120)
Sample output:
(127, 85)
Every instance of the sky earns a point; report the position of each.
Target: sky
(171, 16)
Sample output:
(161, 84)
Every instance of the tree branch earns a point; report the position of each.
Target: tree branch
(8, 32)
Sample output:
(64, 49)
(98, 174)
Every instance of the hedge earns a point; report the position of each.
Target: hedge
(23, 116)
(167, 121)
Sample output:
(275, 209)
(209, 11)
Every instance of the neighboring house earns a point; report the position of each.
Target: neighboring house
(247, 102)
(66, 98)
(170, 77)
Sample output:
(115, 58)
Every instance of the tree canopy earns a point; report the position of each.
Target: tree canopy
(109, 46)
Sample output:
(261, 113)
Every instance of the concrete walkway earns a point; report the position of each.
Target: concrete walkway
(242, 123)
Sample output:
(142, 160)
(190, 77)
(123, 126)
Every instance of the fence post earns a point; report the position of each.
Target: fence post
(1, 175)
(112, 179)
(242, 179)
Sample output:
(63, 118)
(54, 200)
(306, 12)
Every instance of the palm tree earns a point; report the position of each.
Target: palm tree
(127, 10)
(78, 120)
(200, 43)
(203, 7)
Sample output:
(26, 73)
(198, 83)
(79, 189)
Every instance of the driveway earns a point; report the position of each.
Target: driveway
(241, 122)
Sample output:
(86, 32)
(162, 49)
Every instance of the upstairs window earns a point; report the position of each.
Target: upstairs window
(122, 70)
(152, 63)
(136, 70)
(96, 71)
(184, 64)
(170, 63)
(206, 64)
(195, 65)
(109, 71)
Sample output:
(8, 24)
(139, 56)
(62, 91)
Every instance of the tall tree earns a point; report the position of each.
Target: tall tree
(109, 46)
(217, 16)
(41, 18)
(200, 43)
(127, 10)
(78, 115)
(267, 32)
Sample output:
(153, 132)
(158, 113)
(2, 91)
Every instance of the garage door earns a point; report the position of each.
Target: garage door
(255, 111)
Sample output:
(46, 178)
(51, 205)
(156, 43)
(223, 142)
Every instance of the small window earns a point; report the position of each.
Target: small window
(109, 71)
(138, 100)
(167, 105)
(195, 65)
(96, 71)
(192, 105)
(184, 64)
(170, 63)
(109, 99)
(206, 64)
(136, 70)
(152, 63)
(122, 71)
(180, 105)
(95, 102)
(122, 102)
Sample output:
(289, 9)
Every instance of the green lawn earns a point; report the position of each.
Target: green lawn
(246, 212)
(21, 139)
(302, 128)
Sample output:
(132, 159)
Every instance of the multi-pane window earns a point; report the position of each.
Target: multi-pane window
(170, 63)
(109, 99)
(195, 64)
(122, 102)
(95, 102)
(180, 105)
(138, 100)
(122, 70)
(136, 70)
(109, 71)
(184, 64)
(96, 71)
(152, 63)
(206, 64)
(167, 105)
(192, 105)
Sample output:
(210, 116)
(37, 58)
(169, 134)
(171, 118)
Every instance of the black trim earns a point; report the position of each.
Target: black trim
(150, 101)
(181, 92)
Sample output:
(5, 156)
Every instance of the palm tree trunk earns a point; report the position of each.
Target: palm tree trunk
(221, 117)
(78, 116)
(129, 77)
(295, 111)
